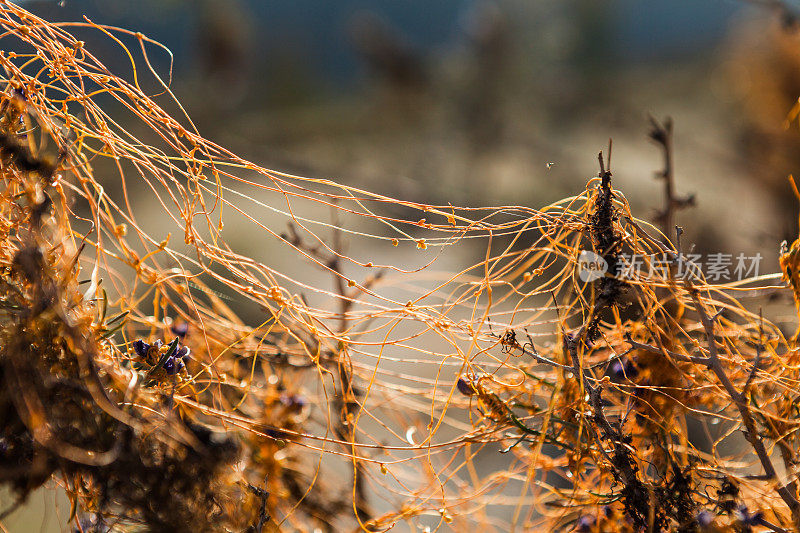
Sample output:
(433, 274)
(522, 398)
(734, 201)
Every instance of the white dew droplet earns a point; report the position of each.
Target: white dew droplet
(410, 435)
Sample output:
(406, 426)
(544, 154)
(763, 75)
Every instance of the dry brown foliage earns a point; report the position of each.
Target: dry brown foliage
(504, 391)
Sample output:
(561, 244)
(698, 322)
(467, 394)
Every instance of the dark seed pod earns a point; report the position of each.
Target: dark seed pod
(465, 387)
(276, 433)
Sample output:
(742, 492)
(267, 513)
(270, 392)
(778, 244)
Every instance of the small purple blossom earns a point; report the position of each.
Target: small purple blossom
(172, 364)
(141, 348)
(743, 515)
(704, 518)
(586, 523)
(293, 400)
(180, 329)
(622, 368)
(183, 353)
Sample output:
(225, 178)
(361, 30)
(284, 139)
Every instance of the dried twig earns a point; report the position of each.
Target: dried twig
(661, 134)
(786, 491)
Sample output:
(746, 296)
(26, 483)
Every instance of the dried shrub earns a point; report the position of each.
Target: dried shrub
(190, 387)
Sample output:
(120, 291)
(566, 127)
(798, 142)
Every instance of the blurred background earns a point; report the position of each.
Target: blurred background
(489, 102)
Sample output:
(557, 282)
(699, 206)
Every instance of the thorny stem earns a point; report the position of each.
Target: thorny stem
(534, 354)
(606, 243)
(263, 513)
(640, 497)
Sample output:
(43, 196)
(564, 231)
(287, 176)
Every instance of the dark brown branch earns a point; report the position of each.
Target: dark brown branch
(676, 356)
(757, 360)
(661, 134)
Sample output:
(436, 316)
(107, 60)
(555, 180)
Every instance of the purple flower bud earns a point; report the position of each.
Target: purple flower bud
(182, 352)
(622, 368)
(743, 515)
(141, 348)
(180, 329)
(585, 523)
(170, 366)
(704, 518)
(465, 387)
(293, 400)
